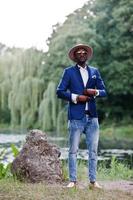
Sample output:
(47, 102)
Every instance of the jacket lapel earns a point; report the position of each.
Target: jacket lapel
(79, 75)
(89, 79)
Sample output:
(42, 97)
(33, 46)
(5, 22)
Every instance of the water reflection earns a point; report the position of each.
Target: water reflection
(11, 138)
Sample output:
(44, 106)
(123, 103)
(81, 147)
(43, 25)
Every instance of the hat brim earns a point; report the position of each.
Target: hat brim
(72, 51)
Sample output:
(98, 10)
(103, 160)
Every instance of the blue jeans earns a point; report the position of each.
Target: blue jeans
(90, 127)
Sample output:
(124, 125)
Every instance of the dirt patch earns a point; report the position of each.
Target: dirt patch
(118, 185)
(125, 186)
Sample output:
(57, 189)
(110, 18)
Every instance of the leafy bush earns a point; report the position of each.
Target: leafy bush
(5, 170)
(116, 171)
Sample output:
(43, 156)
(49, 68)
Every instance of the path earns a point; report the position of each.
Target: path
(122, 185)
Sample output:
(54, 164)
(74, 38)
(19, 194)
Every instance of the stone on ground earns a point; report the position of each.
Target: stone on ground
(38, 161)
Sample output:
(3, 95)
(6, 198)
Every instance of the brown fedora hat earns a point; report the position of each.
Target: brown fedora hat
(72, 51)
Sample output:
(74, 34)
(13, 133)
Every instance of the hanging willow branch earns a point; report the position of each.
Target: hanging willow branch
(48, 108)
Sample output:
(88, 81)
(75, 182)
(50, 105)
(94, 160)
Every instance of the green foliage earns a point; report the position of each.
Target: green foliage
(114, 34)
(5, 170)
(48, 108)
(15, 150)
(118, 132)
(28, 78)
(2, 154)
(116, 171)
(104, 26)
(62, 121)
(64, 170)
(21, 86)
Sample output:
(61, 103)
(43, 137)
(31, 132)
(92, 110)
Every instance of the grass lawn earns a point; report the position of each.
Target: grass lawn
(117, 131)
(13, 190)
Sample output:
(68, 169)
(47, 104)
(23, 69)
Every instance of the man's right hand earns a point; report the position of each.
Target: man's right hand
(90, 92)
(82, 98)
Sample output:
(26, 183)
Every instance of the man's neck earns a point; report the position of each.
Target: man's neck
(83, 65)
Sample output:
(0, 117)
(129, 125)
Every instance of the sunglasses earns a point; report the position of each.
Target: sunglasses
(81, 52)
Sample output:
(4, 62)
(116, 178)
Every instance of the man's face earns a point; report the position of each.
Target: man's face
(81, 55)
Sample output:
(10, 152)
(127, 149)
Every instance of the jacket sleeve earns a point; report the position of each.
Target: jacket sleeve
(63, 87)
(100, 85)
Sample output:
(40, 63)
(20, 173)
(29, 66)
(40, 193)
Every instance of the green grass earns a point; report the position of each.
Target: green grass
(11, 189)
(117, 131)
(4, 127)
(116, 136)
(14, 190)
(116, 171)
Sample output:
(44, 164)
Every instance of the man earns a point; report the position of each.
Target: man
(80, 85)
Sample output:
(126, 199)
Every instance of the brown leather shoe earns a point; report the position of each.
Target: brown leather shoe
(95, 185)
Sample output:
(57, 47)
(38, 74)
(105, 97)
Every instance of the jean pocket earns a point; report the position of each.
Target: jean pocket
(75, 124)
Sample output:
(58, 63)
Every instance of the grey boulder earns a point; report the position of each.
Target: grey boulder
(38, 161)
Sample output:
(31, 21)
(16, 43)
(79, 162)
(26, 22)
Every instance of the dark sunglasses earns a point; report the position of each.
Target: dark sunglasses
(81, 52)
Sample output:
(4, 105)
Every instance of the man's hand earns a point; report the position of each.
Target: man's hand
(90, 92)
(82, 98)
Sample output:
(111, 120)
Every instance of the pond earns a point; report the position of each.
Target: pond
(8, 138)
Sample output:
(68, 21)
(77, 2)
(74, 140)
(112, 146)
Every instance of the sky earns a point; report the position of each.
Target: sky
(28, 23)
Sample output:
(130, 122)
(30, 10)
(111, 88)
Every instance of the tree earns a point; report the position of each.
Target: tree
(114, 29)
(21, 85)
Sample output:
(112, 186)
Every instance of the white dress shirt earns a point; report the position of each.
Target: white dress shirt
(85, 77)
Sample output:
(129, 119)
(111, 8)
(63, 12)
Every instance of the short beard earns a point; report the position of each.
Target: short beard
(81, 63)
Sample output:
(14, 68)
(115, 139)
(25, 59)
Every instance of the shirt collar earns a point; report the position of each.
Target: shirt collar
(85, 68)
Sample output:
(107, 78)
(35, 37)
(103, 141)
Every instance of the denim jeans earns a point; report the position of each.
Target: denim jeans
(90, 127)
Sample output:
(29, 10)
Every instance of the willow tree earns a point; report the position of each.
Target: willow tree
(21, 85)
(6, 61)
(61, 120)
(48, 108)
(24, 101)
(27, 90)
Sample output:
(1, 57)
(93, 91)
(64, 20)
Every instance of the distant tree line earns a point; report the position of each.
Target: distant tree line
(28, 78)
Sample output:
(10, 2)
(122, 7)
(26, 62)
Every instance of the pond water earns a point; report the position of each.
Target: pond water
(6, 139)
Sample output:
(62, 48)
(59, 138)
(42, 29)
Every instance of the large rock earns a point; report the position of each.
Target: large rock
(38, 160)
